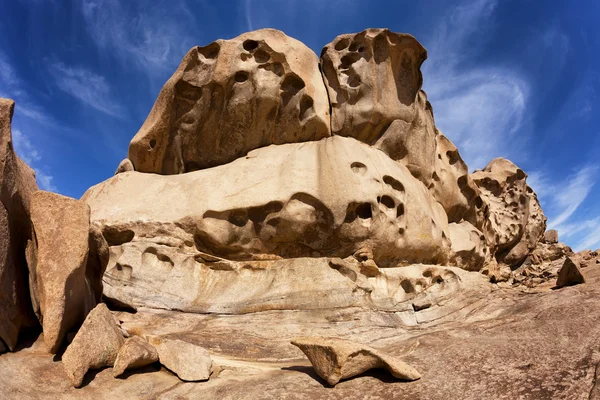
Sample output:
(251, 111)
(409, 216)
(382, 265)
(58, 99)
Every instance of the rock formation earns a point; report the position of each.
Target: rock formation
(189, 361)
(95, 345)
(17, 184)
(272, 194)
(135, 353)
(336, 359)
(231, 97)
(67, 273)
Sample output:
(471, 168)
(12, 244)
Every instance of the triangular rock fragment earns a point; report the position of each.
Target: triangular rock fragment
(569, 274)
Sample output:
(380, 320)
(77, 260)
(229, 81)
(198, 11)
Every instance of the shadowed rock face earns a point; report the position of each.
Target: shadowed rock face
(231, 97)
(17, 184)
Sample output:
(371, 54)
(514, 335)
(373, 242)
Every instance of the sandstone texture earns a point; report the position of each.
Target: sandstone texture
(189, 361)
(17, 184)
(135, 353)
(231, 97)
(95, 345)
(335, 359)
(274, 197)
(67, 274)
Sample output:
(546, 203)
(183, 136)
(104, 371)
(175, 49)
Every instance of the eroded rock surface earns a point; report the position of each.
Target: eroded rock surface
(95, 345)
(231, 97)
(516, 222)
(17, 184)
(335, 359)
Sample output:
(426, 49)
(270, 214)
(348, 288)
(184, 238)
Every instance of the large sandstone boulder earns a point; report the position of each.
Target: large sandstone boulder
(335, 359)
(95, 345)
(231, 97)
(515, 222)
(67, 272)
(17, 184)
(374, 83)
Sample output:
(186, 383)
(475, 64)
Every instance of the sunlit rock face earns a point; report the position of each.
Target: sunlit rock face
(230, 97)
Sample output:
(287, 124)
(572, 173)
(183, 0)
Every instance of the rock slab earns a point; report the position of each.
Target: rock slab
(569, 274)
(335, 359)
(96, 345)
(188, 361)
(135, 353)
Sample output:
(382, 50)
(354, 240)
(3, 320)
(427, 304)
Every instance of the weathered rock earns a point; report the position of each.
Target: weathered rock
(335, 359)
(17, 183)
(187, 360)
(515, 223)
(468, 246)
(135, 353)
(231, 97)
(569, 274)
(374, 79)
(125, 166)
(95, 345)
(64, 289)
(551, 236)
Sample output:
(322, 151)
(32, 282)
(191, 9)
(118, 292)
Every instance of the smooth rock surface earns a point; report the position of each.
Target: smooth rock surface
(188, 361)
(230, 97)
(95, 345)
(335, 359)
(17, 184)
(134, 353)
(62, 231)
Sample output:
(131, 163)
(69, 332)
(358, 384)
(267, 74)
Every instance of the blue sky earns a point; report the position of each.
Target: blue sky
(513, 78)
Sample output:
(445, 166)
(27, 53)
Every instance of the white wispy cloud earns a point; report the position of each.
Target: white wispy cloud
(571, 194)
(150, 35)
(480, 108)
(86, 86)
(25, 149)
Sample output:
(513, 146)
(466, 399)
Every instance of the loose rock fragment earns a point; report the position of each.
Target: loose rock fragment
(135, 353)
(569, 274)
(335, 359)
(187, 360)
(96, 345)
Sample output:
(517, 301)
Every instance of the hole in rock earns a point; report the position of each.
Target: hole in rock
(277, 69)
(358, 168)
(262, 56)
(388, 202)
(305, 104)
(353, 46)
(290, 86)
(348, 60)
(241, 76)
(364, 211)
(400, 210)
(250, 45)
(238, 218)
(394, 183)
(342, 44)
(116, 236)
(354, 81)
(452, 156)
(401, 231)
(211, 51)
(462, 182)
(152, 143)
(407, 286)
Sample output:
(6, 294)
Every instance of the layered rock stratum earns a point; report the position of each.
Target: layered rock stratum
(272, 194)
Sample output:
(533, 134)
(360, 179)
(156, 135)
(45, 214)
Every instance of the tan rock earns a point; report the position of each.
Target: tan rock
(569, 274)
(231, 97)
(468, 246)
(62, 231)
(515, 222)
(335, 359)
(135, 353)
(17, 183)
(125, 166)
(95, 345)
(187, 360)
(551, 236)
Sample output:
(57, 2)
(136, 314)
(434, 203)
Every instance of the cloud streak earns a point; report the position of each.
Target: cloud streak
(33, 157)
(86, 86)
